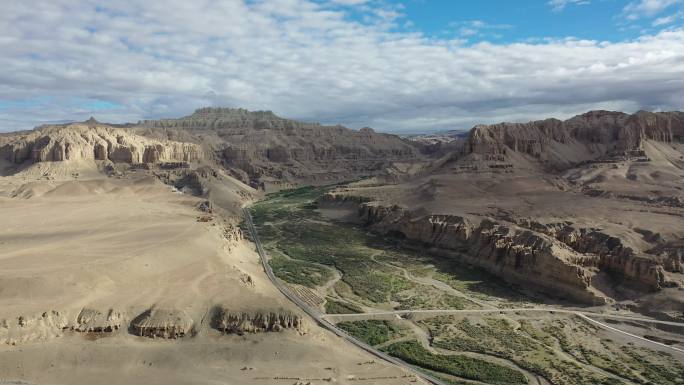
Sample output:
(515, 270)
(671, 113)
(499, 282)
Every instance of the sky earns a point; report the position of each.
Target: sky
(402, 66)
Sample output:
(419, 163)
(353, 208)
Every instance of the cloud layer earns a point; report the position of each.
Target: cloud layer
(131, 60)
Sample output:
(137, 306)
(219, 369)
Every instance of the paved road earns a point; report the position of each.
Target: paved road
(318, 316)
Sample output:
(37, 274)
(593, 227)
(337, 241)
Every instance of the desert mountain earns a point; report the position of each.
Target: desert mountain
(116, 234)
(91, 140)
(590, 208)
(265, 150)
(587, 137)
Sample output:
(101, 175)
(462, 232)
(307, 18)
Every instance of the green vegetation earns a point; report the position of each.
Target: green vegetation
(303, 242)
(456, 365)
(299, 272)
(336, 307)
(471, 280)
(562, 350)
(385, 272)
(656, 367)
(372, 332)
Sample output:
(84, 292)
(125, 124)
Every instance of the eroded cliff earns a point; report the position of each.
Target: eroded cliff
(266, 150)
(563, 144)
(92, 141)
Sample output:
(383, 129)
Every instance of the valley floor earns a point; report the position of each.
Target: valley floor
(383, 290)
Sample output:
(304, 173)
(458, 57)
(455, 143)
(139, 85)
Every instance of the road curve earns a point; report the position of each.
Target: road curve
(318, 316)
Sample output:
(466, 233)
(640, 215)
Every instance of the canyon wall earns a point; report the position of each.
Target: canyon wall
(561, 144)
(515, 254)
(261, 147)
(92, 142)
(560, 258)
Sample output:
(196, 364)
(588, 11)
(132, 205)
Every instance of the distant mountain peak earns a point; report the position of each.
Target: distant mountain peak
(230, 112)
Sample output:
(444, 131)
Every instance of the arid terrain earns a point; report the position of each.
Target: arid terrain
(507, 256)
(590, 208)
(121, 261)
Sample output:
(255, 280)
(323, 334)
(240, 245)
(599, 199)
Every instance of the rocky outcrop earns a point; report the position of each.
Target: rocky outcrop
(27, 328)
(672, 253)
(263, 148)
(563, 144)
(162, 323)
(256, 322)
(614, 256)
(514, 253)
(95, 321)
(556, 256)
(333, 199)
(87, 142)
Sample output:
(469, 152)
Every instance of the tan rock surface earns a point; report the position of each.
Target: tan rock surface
(272, 152)
(94, 141)
(88, 265)
(588, 208)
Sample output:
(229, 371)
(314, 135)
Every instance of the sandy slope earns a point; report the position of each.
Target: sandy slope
(130, 246)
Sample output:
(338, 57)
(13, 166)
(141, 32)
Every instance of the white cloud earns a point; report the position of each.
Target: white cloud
(306, 60)
(350, 2)
(559, 5)
(470, 28)
(666, 20)
(646, 8)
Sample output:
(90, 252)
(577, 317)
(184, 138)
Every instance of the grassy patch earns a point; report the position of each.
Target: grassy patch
(337, 307)
(456, 365)
(372, 332)
(561, 350)
(370, 265)
(300, 272)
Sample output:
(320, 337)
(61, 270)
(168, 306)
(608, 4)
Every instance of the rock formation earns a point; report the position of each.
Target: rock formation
(26, 328)
(87, 142)
(162, 323)
(266, 150)
(94, 321)
(510, 251)
(555, 204)
(255, 322)
(563, 144)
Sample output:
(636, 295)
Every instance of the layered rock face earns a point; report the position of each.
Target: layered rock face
(558, 257)
(162, 323)
(92, 142)
(562, 144)
(588, 208)
(261, 147)
(513, 252)
(611, 253)
(256, 322)
(95, 321)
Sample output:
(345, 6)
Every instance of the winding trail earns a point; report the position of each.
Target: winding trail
(439, 285)
(424, 340)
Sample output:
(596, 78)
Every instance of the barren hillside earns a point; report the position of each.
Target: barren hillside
(590, 208)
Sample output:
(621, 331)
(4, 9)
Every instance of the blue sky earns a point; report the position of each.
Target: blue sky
(501, 21)
(395, 65)
(512, 21)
